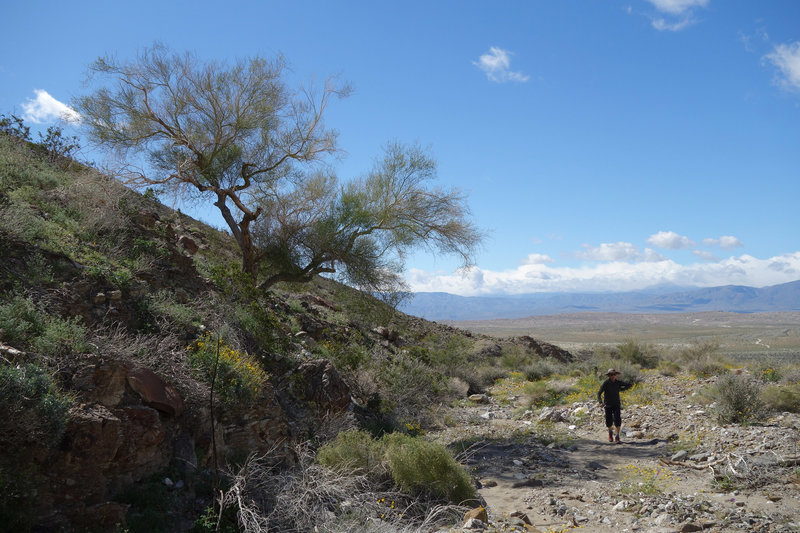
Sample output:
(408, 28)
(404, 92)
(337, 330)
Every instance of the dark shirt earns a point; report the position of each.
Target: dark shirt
(611, 390)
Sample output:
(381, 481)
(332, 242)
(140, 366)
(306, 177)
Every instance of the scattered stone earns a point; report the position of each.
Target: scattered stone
(680, 456)
(188, 244)
(478, 398)
(478, 513)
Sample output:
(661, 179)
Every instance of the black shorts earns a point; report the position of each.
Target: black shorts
(613, 415)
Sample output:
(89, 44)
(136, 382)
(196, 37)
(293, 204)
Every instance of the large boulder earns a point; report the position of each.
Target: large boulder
(155, 391)
(322, 384)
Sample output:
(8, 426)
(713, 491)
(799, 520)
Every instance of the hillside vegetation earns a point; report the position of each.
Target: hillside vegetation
(134, 350)
(147, 385)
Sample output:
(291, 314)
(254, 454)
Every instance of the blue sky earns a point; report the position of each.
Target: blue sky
(604, 145)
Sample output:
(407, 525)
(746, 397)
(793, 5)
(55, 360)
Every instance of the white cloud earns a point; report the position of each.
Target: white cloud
(670, 240)
(497, 65)
(677, 7)
(726, 241)
(612, 276)
(705, 255)
(786, 57)
(537, 259)
(663, 25)
(609, 251)
(679, 13)
(44, 108)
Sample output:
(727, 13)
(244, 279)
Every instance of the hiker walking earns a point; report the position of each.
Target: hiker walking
(611, 388)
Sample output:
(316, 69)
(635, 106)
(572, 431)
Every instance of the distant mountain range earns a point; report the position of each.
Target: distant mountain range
(732, 298)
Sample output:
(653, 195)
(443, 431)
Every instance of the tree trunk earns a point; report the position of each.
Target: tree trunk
(241, 232)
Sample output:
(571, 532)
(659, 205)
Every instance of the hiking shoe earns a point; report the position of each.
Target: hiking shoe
(610, 437)
(616, 439)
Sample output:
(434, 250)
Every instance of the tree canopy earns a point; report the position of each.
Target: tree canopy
(238, 136)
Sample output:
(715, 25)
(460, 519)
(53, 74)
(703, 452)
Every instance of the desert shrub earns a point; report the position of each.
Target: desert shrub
(60, 148)
(62, 336)
(405, 388)
(354, 451)
(541, 393)
(20, 320)
(584, 389)
(637, 354)
(14, 126)
(737, 399)
(515, 358)
(782, 398)
(421, 466)
(237, 376)
(708, 365)
(542, 368)
(170, 313)
(34, 409)
(23, 323)
(668, 368)
(768, 373)
(642, 394)
(481, 377)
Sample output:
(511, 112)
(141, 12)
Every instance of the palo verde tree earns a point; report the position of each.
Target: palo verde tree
(209, 130)
(238, 136)
(362, 230)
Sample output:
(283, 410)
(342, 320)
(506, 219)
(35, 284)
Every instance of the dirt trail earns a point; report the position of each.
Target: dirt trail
(580, 480)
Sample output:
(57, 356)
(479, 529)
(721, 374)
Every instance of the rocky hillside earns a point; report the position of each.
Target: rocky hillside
(140, 368)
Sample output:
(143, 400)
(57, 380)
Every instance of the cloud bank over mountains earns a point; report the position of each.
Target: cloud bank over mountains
(618, 266)
(615, 276)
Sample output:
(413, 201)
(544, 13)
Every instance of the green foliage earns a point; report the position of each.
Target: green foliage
(668, 368)
(14, 126)
(542, 368)
(264, 326)
(542, 393)
(638, 354)
(738, 400)
(420, 466)
(782, 398)
(209, 522)
(24, 324)
(768, 373)
(416, 465)
(353, 451)
(172, 314)
(60, 148)
(35, 410)
(646, 480)
(237, 376)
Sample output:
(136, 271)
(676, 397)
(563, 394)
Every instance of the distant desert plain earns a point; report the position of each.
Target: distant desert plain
(741, 336)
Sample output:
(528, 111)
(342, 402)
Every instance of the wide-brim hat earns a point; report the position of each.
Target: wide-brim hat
(611, 372)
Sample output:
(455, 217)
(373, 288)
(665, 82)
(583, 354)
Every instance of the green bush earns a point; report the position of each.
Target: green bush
(542, 369)
(638, 354)
(420, 466)
(34, 408)
(782, 398)
(416, 465)
(20, 320)
(24, 324)
(738, 399)
(707, 366)
(352, 451)
(668, 368)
